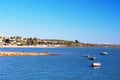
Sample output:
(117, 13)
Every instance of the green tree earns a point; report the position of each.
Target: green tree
(76, 41)
(35, 41)
(7, 41)
(29, 41)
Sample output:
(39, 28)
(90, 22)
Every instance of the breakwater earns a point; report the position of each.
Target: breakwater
(24, 54)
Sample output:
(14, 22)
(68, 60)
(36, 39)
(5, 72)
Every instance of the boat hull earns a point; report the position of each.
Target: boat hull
(104, 53)
(96, 64)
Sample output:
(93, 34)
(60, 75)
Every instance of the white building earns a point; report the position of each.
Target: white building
(1, 38)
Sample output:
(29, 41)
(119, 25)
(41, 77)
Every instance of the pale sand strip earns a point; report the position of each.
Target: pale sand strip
(38, 46)
(24, 54)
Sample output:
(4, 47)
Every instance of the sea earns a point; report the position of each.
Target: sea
(69, 65)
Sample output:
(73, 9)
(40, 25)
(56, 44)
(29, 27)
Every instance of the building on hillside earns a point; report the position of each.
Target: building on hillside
(2, 37)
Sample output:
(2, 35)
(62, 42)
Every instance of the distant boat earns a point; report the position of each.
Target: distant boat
(104, 53)
(92, 58)
(86, 55)
(96, 64)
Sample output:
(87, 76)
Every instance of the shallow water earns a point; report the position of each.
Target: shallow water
(71, 65)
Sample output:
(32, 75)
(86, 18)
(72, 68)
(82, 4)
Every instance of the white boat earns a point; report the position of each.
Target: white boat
(96, 64)
(104, 53)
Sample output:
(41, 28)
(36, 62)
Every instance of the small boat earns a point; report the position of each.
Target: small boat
(92, 58)
(104, 53)
(86, 55)
(96, 64)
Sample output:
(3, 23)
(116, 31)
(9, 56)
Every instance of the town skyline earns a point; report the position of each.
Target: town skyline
(89, 21)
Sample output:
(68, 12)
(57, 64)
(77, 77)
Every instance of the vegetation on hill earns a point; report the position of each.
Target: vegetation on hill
(19, 41)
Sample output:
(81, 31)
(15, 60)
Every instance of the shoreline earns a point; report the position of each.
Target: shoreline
(45, 46)
(25, 54)
(55, 47)
(28, 47)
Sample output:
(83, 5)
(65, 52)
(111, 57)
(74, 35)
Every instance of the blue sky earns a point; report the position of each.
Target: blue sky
(89, 21)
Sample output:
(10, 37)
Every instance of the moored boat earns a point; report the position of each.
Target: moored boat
(92, 58)
(104, 53)
(96, 64)
(86, 55)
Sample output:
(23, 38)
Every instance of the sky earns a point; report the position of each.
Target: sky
(89, 21)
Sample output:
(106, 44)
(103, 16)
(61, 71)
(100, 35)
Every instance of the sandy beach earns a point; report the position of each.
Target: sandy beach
(40, 46)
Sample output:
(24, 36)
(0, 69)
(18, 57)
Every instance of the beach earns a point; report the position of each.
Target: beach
(31, 46)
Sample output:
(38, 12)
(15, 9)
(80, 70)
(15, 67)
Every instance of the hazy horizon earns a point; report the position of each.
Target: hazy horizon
(89, 21)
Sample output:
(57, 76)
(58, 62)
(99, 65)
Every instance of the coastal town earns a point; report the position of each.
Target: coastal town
(18, 41)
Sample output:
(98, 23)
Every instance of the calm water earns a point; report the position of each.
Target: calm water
(69, 66)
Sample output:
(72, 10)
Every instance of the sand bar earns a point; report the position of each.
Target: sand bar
(24, 54)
